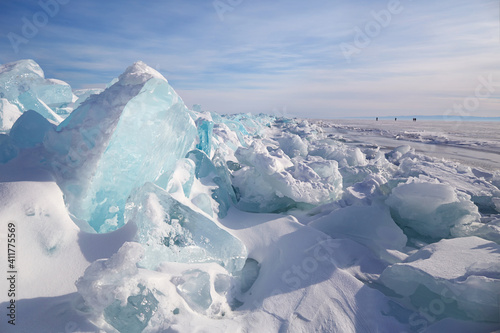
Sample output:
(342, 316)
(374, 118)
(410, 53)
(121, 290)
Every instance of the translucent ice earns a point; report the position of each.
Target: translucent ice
(135, 316)
(248, 274)
(30, 101)
(182, 177)
(23, 83)
(432, 210)
(112, 288)
(214, 173)
(83, 94)
(345, 156)
(205, 129)
(132, 133)
(171, 231)
(457, 277)
(396, 154)
(107, 280)
(54, 93)
(18, 77)
(194, 287)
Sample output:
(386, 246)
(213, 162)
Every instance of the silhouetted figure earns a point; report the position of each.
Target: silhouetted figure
(376, 119)
(414, 119)
(395, 119)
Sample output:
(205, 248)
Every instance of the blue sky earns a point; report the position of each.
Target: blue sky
(316, 58)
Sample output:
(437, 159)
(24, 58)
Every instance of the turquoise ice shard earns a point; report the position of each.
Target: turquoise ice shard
(18, 77)
(132, 133)
(112, 288)
(135, 315)
(194, 287)
(173, 232)
(432, 210)
(23, 84)
(30, 101)
(205, 130)
(213, 172)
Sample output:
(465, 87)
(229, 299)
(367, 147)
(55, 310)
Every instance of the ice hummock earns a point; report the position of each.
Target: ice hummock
(433, 210)
(270, 181)
(130, 134)
(368, 237)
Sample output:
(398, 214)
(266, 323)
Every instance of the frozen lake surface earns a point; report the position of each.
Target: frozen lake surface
(476, 144)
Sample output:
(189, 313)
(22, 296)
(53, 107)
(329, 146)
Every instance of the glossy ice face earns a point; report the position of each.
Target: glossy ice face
(23, 84)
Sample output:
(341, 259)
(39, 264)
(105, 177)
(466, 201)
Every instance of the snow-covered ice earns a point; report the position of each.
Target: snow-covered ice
(131, 212)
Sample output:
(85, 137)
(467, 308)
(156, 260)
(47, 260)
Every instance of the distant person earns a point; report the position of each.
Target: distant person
(414, 119)
(395, 119)
(376, 119)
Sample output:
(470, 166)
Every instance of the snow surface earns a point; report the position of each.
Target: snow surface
(137, 214)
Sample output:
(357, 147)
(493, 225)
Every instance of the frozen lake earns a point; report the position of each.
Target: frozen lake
(476, 144)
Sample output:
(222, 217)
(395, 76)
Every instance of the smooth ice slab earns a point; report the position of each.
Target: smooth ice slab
(23, 84)
(18, 77)
(432, 210)
(171, 231)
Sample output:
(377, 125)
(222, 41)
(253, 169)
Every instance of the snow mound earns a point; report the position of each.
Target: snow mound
(456, 277)
(8, 115)
(371, 226)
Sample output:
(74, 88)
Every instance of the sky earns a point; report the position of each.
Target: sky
(316, 58)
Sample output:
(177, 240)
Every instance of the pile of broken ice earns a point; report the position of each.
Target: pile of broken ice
(135, 154)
